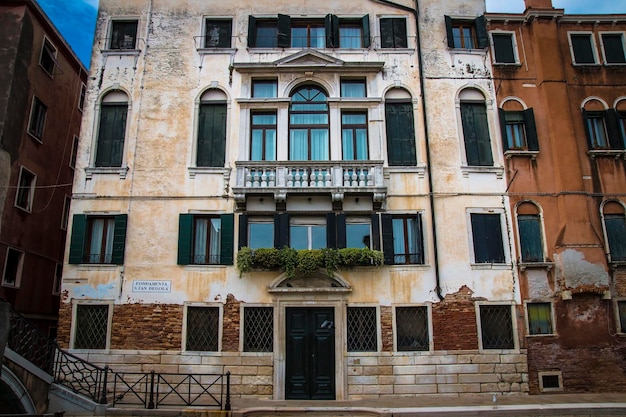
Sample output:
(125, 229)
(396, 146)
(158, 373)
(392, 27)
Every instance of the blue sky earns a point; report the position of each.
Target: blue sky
(76, 19)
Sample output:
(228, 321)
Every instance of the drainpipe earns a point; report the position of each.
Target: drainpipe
(415, 12)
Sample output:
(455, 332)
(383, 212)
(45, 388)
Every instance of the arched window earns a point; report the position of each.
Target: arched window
(308, 125)
(400, 128)
(615, 227)
(211, 149)
(518, 127)
(530, 232)
(475, 128)
(112, 129)
(620, 108)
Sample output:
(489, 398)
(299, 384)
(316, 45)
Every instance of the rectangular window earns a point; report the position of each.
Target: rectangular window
(25, 190)
(263, 33)
(65, 217)
(205, 239)
(307, 233)
(74, 153)
(616, 235)
(48, 57)
(487, 238)
(58, 278)
(596, 129)
(351, 88)
(393, 33)
(358, 233)
(403, 242)
(362, 329)
(260, 233)
(400, 129)
(350, 34)
(519, 131)
(13, 264)
(263, 137)
(613, 48)
(91, 327)
(582, 47)
(504, 49)
(218, 33)
(539, 318)
(37, 119)
(258, 329)
(211, 150)
(123, 34)
(100, 244)
(98, 239)
(530, 236)
(111, 135)
(354, 136)
(308, 34)
(476, 134)
(202, 329)
(264, 88)
(412, 329)
(621, 311)
(467, 33)
(496, 324)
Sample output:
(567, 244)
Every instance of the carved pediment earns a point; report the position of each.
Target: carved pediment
(318, 282)
(309, 58)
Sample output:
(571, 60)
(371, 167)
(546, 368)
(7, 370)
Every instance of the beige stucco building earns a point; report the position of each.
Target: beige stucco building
(362, 134)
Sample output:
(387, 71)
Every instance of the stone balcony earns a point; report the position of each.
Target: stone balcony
(283, 178)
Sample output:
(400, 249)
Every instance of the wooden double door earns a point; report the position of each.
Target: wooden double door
(310, 353)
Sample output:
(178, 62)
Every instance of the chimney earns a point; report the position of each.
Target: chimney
(538, 4)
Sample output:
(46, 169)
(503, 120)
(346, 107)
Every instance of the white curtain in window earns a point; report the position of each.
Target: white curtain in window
(201, 231)
(214, 248)
(108, 254)
(319, 145)
(398, 240)
(298, 147)
(95, 247)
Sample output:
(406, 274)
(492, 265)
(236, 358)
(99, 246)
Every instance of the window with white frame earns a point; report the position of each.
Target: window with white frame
(412, 328)
(476, 136)
(112, 130)
(539, 318)
(361, 329)
(308, 125)
(504, 48)
(496, 326)
(393, 32)
(307, 233)
(487, 238)
(91, 326)
(25, 190)
(123, 35)
(13, 265)
(258, 329)
(603, 126)
(353, 88)
(264, 88)
(37, 120)
(48, 58)
(615, 227)
(583, 48)
(519, 132)
(211, 140)
(354, 135)
(202, 328)
(530, 230)
(400, 128)
(613, 48)
(263, 136)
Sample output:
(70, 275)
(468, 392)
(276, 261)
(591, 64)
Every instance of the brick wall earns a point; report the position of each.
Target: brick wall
(454, 322)
(65, 322)
(230, 328)
(147, 326)
(386, 328)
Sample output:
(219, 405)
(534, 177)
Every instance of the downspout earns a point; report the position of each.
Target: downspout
(415, 12)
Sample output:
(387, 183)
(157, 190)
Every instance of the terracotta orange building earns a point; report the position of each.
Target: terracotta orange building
(560, 82)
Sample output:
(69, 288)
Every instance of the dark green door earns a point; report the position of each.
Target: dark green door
(310, 361)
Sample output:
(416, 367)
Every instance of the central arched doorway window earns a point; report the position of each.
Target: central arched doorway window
(308, 125)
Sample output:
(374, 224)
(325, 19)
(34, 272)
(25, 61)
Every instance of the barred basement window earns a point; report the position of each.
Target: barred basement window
(412, 328)
(258, 330)
(496, 327)
(550, 381)
(362, 329)
(202, 329)
(92, 322)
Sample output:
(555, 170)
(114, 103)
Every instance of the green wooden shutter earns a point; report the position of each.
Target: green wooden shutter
(531, 244)
(119, 239)
(502, 117)
(386, 223)
(532, 140)
(400, 134)
(480, 24)
(616, 235)
(227, 239)
(586, 128)
(243, 231)
(476, 134)
(281, 230)
(339, 224)
(375, 238)
(211, 135)
(331, 26)
(449, 33)
(77, 240)
(251, 31)
(420, 237)
(487, 237)
(111, 134)
(185, 238)
(365, 24)
(284, 31)
(612, 126)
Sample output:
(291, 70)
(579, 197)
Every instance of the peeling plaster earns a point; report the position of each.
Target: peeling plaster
(575, 271)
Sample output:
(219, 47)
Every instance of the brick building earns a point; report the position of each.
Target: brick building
(42, 87)
(561, 91)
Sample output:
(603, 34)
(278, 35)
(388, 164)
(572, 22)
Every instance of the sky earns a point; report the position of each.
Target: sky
(76, 19)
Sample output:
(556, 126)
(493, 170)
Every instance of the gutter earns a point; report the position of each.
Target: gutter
(415, 12)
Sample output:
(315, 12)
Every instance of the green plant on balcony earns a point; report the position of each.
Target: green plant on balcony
(305, 262)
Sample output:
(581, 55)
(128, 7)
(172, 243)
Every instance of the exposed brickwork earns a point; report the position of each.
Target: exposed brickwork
(65, 321)
(147, 326)
(619, 277)
(454, 322)
(386, 330)
(230, 329)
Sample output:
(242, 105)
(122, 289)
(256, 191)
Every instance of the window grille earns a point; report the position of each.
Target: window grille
(202, 328)
(412, 328)
(497, 327)
(91, 326)
(362, 329)
(258, 329)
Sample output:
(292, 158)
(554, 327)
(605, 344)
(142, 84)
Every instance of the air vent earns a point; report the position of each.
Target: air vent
(550, 381)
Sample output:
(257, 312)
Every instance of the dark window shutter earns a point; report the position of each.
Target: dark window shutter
(532, 139)
(227, 238)
(77, 241)
(400, 134)
(387, 33)
(340, 226)
(211, 135)
(612, 126)
(583, 49)
(476, 134)
(251, 31)
(586, 128)
(613, 48)
(420, 237)
(616, 236)
(531, 245)
(386, 223)
(365, 24)
(487, 238)
(480, 24)
(111, 134)
(119, 239)
(331, 26)
(502, 116)
(185, 238)
(281, 230)
(243, 231)
(375, 238)
(449, 34)
(400, 37)
(503, 48)
(284, 31)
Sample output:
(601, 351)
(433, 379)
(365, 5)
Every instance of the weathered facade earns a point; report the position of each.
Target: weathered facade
(365, 135)
(42, 84)
(560, 82)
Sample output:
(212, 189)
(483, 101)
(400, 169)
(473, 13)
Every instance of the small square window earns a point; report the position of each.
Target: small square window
(412, 329)
(258, 329)
(613, 48)
(37, 119)
(362, 329)
(13, 264)
(91, 327)
(550, 381)
(393, 33)
(504, 49)
(218, 33)
(496, 324)
(583, 48)
(202, 329)
(48, 57)
(264, 88)
(539, 318)
(123, 34)
(351, 88)
(25, 190)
